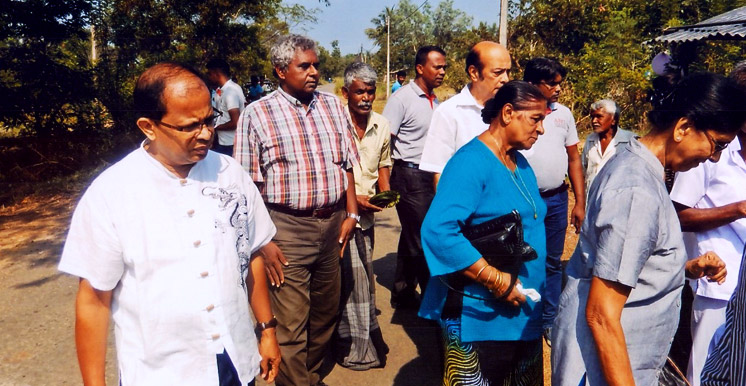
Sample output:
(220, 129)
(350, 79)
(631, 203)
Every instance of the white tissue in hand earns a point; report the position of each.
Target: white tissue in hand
(528, 292)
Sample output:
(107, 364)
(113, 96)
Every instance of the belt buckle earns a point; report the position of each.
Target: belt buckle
(324, 212)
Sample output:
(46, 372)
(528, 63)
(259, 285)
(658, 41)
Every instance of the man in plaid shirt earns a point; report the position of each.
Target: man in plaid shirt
(297, 145)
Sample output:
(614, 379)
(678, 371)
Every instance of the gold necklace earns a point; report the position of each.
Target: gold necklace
(527, 195)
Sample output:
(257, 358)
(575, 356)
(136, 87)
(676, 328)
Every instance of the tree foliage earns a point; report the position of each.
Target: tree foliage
(608, 46)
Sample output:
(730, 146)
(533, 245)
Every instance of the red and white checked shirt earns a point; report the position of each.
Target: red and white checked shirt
(299, 155)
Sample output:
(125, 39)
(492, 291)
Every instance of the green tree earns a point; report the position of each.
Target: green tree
(45, 81)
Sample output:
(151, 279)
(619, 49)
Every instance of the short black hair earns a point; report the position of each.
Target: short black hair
(148, 94)
(219, 65)
(472, 59)
(709, 101)
(542, 70)
(424, 51)
(516, 92)
(401, 73)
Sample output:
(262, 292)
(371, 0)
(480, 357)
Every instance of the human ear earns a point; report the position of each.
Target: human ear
(473, 73)
(506, 114)
(280, 72)
(682, 128)
(345, 92)
(418, 69)
(146, 126)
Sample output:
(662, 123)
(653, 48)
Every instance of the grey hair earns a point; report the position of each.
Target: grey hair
(609, 106)
(360, 71)
(283, 51)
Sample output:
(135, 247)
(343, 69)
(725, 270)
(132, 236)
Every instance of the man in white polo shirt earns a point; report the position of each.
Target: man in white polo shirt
(229, 101)
(164, 242)
(458, 120)
(554, 156)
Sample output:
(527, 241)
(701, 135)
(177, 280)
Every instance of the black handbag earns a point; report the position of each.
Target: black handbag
(500, 241)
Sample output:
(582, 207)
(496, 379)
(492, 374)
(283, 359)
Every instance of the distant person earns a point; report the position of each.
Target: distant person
(554, 156)
(401, 77)
(603, 142)
(359, 344)
(255, 89)
(496, 338)
(298, 146)
(620, 308)
(409, 112)
(711, 203)
(165, 241)
(459, 119)
(229, 101)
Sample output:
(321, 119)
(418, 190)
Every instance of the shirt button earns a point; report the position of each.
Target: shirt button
(215, 336)
(210, 307)
(190, 212)
(197, 243)
(183, 181)
(204, 274)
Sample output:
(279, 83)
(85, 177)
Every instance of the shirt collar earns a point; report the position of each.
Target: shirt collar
(654, 163)
(465, 98)
(371, 125)
(294, 101)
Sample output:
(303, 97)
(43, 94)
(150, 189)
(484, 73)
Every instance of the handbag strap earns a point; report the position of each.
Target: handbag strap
(678, 371)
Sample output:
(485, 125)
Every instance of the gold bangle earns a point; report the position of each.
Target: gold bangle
(480, 272)
(486, 282)
(498, 281)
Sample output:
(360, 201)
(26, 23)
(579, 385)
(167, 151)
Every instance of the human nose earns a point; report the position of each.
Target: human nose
(540, 127)
(313, 71)
(205, 131)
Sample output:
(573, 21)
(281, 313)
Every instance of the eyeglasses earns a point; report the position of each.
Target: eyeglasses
(208, 122)
(717, 146)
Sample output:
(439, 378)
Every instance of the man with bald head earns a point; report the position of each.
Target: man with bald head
(456, 121)
(164, 241)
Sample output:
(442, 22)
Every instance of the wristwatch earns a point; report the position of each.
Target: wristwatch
(261, 326)
(354, 215)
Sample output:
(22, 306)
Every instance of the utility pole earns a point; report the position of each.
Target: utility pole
(503, 22)
(388, 54)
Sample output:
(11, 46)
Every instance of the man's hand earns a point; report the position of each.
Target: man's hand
(577, 216)
(709, 265)
(363, 204)
(344, 234)
(270, 352)
(274, 260)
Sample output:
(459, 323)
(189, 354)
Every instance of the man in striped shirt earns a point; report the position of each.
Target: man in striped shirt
(297, 145)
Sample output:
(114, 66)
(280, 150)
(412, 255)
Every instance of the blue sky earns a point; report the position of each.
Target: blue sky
(346, 20)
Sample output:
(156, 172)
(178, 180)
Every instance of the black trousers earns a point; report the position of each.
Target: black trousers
(416, 189)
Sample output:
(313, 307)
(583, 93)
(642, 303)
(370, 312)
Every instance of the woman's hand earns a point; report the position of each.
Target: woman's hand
(514, 297)
(709, 265)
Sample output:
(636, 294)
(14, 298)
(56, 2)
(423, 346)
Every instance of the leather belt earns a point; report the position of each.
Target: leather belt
(552, 192)
(324, 212)
(406, 164)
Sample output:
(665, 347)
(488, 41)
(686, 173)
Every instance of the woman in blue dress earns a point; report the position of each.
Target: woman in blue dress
(620, 308)
(495, 339)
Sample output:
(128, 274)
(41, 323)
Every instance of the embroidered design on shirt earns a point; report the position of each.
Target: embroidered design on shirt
(232, 200)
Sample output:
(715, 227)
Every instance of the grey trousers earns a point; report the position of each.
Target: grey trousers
(306, 305)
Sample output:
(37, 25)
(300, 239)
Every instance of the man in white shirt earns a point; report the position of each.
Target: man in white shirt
(601, 144)
(458, 120)
(711, 203)
(229, 101)
(164, 241)
(553, 156)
